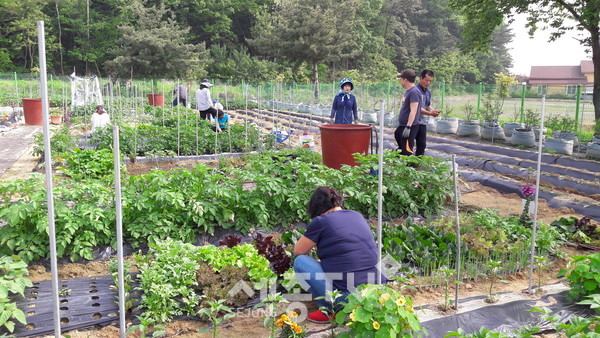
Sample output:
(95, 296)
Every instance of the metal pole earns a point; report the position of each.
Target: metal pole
(523, 103)
(120, 269)
(443, 94)
(458, 244)
(49, 185)
(577, 129)
(479, 93)
(380, 194)
(537, 192)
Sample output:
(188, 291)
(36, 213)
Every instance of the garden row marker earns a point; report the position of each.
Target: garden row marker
(524, 86)
(457, 279)
(537, 192)
(380, 193)
(119, 216)
(578, 100)
(49, 186)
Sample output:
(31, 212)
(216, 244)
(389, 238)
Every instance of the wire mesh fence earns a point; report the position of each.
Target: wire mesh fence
(449, 98)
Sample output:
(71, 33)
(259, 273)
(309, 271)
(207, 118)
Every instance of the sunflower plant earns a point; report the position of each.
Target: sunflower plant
(380, 311)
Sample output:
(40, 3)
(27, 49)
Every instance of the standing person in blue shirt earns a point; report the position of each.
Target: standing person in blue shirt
(410, 113)
(344, 104)
(345, 246)
(425, 80)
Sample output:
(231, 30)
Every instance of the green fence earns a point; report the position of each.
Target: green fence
(450, 98)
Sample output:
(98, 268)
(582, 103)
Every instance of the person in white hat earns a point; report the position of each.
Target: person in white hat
(204, 104)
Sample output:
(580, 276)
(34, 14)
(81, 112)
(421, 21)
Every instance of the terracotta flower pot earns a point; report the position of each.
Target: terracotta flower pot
(56, 119)
(32, 110)
(156, 99)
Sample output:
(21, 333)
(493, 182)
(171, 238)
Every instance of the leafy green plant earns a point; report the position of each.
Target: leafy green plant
(447, 277)
(167, 279)
(335, 299)
(541, 264)
(469, 112)
(560, 123)
(531, 118)
(379, 309)
(593, 301)
(212, 314)
(127, 282)
(494, 268)
(84, 218)
(89, 164)
(271, 302)
(60, 143)
(482, 333)
(147, 326)
(12, 281)
(582, 277)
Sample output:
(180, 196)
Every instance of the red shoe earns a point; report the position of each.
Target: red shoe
(319, 317)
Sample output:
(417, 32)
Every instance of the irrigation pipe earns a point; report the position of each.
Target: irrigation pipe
(457, 279)
(380, 196)
(49, 185)
(537, 192)
(119, 216)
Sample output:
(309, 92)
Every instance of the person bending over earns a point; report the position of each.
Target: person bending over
(345, 246)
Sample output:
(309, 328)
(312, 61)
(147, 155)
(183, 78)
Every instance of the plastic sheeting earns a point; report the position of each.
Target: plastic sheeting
(84, 302)
(508, 317)
(524, 154)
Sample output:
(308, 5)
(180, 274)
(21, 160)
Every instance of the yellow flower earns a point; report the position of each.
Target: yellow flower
(400, 301)
(285, 318)
(384, 298)
(363, 292)
(279, 322)
(410, 309)
(376, 325)
(349, 323)
(293, 314)
(352, 316)
(297, 328)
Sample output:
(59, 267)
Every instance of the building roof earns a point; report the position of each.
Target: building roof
(587, 66)
(561, 75)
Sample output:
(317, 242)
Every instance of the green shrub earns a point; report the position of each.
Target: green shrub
(583, 276)
(88, 164)
(60, 143)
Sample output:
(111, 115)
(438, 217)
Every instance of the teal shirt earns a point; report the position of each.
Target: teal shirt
(223, 121)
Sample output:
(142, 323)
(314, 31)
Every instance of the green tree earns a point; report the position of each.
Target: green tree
(484, 16)
(18, 33)
(154, 45)
(311, 31)
(86, 33)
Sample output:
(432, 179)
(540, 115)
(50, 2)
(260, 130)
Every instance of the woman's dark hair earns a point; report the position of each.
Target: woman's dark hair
(323, 199)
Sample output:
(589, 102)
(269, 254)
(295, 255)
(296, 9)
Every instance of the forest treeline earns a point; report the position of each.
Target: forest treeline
(251, 40)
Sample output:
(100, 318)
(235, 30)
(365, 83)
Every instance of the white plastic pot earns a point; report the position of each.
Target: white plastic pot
(447, 126)
(510, 126)
(559, 146)
(567, 135)
(469, 130)
(593, 151)
(522, 137)
(492, 133)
